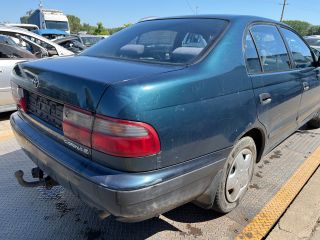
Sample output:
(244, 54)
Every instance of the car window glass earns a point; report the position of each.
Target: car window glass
(42, 43)
(90, 41)
(194, 40)
(157, 37)
(251, 55)
(313, 41)
(302, 56)
(272, 50)
(6, 40)
(11, 52)
(177, 41)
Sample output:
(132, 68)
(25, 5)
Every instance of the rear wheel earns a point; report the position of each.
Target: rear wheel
(237, 175)
(315, 121)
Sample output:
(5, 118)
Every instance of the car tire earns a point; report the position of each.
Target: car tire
(315, 121)
(237, 175)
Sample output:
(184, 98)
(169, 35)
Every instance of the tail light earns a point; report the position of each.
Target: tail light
(77, 125)
(19, 97)
(109, 135)
(124, 138)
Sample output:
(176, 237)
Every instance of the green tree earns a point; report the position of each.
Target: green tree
(301, 27)
(88, 28)
(24, 19)
(314, 30)
(127, 25)
(114, 30)
(75, 23)
(100, 29)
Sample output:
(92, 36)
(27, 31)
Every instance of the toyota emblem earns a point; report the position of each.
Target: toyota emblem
(35, 82)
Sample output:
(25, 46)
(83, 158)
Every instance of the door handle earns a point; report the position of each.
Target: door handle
(306, 86)
(265, 98)
(1, 71)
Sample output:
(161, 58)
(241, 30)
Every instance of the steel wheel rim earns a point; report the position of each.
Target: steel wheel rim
(239, 175)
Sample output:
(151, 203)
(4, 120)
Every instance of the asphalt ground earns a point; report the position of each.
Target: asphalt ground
(38, 213)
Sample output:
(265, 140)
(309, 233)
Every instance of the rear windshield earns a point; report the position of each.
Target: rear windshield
(176, 41)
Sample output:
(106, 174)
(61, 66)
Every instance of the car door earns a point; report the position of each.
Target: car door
(304, 63)
(276, 87)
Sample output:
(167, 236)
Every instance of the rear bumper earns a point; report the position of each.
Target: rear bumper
(127, 196)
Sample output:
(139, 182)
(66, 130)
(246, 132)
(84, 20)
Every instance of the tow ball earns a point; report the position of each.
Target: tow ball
(47, 181)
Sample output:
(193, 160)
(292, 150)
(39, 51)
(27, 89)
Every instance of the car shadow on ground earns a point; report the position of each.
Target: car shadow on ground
(190, 213)
(112, 229)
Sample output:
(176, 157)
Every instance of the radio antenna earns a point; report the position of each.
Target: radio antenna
(284, 4)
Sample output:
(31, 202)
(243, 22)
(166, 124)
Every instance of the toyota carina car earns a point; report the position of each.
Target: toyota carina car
(166, 112)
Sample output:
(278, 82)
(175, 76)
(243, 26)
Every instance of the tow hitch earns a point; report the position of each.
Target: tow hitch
(47, 181)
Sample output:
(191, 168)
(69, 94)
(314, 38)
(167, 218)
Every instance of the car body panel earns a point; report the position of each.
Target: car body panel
(279, 117)
(63, 85)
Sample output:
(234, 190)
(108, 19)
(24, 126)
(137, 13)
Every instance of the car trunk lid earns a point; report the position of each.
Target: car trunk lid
(80, 81)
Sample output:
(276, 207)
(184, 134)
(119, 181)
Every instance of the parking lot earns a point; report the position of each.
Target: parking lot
(37, 213)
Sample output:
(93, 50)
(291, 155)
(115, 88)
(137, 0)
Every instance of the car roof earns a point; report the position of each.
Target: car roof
(22, 25)
(22, 31)
(229, 17)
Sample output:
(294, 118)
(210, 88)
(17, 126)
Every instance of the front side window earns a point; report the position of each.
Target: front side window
(272, 50)
(301, 53)
(176, 41)
(251, 55)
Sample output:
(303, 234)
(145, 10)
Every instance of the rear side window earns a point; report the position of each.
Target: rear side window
(301, 54)
(272, 50)
(251, 55)
(177, 41)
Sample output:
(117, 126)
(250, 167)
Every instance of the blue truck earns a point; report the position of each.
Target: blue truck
(49, 19)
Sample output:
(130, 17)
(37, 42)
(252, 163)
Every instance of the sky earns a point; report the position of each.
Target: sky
(113, 13)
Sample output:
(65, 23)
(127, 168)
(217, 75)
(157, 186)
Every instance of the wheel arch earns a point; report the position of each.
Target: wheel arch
(258, 135)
